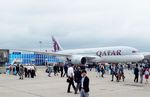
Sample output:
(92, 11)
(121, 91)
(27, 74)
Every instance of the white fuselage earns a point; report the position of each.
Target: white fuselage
(106, 54)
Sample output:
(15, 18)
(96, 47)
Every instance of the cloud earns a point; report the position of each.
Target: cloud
(76, 23)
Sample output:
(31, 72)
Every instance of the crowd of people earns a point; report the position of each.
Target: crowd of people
(141, 72)
(115, 70)
(56, 68)
(79, 76)
(75, 75)
(27, 71)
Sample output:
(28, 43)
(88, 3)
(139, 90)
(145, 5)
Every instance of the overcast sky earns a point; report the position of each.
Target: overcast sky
(75, 23)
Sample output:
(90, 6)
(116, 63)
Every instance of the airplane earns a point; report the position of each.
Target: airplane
(116, 54)
(146, 54)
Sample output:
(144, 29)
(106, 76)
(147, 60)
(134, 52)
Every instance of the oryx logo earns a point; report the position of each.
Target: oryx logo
(55, 45)
(109, 53)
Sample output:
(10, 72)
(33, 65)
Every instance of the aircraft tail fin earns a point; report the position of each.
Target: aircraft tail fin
(56, 45)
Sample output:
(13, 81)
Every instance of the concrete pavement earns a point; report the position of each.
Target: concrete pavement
(44, 86)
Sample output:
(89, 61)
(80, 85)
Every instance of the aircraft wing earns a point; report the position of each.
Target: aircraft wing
(53, 54)
(90, 58)
(47, 53)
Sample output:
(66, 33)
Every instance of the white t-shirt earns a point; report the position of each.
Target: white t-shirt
(32, 67)
(82, 81)
(70, 72)
(28, 67)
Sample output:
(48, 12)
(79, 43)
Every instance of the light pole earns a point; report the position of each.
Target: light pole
(40, 42)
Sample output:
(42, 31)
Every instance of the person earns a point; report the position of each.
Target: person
(17, 69)
(90, 67)
(113, 71)
(117, 72)
(84, 86)
(35, 69)
(26, 71)
(141, 71)
(29, 70)
(61, 70)
(65, 69)
(77, 78)
(21, 72)
(14, 70)
(98, 71)
(32, 71)
(143, 64)
(49, 70)
(102, 69)
(147, 75)
(136, 73)
(55, 70)
(70, 78)
(82, 66)
(129, 66)
(121, 73)
(10, 69)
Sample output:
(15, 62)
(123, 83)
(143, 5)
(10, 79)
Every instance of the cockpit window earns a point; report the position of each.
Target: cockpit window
(134, 51)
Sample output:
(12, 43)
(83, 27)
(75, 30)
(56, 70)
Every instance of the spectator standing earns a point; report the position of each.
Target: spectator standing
(21, 72)
(102, 69)
(121, 73)
(29, 70)
(141, 71)
(61, 70)
(32, 71)
(55, 70)
(113, 71)
(17, 69)
(136, 73)
(98, 71)
(49, 68)
(117, 72)
(26, 71)
(147, 75)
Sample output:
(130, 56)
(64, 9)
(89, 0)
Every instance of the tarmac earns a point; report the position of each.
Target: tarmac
(55, 86)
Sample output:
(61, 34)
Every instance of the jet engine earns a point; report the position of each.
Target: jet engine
(77, 59)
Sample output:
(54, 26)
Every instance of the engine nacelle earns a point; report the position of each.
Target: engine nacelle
(97, 59)
(78, 59)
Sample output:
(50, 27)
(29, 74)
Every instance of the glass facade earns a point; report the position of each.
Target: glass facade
(31, 58)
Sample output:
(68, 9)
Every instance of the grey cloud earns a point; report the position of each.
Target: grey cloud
(75, 23)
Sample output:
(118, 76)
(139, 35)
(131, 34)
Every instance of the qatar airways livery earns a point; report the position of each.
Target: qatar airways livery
(116, 54)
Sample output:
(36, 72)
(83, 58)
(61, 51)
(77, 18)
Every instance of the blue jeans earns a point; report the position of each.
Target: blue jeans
(83, 93)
